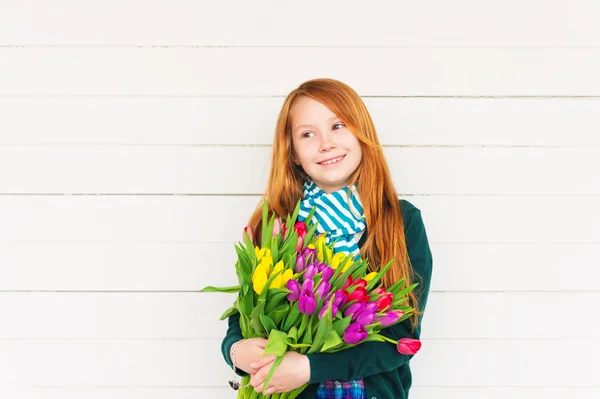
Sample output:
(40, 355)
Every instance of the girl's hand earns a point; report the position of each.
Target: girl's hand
(250, 351)
(293, 372)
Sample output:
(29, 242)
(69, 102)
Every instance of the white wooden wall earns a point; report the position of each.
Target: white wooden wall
(134, 143)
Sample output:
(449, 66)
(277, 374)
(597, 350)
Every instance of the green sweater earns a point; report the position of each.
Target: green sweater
(385, 372)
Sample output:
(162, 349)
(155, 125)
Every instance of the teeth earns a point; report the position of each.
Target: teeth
(336, 160)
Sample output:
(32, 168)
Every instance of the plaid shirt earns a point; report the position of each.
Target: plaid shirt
(341, 390)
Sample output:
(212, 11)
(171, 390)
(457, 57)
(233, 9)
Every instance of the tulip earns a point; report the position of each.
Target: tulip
(389, 318)
(337, 258)
(339, 299)
(294, 286)
(311, 270)
(307, 303)
(300, 228)
(370, 276)
(322, 249)
(384, 302)
(299, 264)
(378, 291)
(309, 254)
(327, 273)
(260, 277)
(370, 307)
(282, 278)
(284, 234)
(276, 227)
(348, 263)
(248, 231)
(334, 310)
(299, 244)
(408, 346)
(323, 289)
(355, 333)
(359, 282)
(354, 310)
(359, 294)
(366, 318)
(263, 252)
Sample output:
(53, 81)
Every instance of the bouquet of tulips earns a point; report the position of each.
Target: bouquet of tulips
(300, 296)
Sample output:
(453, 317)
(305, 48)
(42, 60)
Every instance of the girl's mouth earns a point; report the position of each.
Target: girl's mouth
(333, 161)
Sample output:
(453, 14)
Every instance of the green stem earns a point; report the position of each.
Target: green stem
(387, 339)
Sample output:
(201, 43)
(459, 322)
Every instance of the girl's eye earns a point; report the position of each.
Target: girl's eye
(304, 134)
(338, 124)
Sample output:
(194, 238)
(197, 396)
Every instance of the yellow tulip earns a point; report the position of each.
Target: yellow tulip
(260, 277)
(370, 276)
(277, 281)
(311, 246)
(349, 263)
(260, 253)
(337, 258)
(322, 248)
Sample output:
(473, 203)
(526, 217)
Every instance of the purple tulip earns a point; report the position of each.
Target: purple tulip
(309, 254)
(339, 299)
(355, 310)
(334, 310)
(311, 270)
(355, 333)
(366, 318)
(327, 273)
(370, 307)
(389, 318)
(293, 286)
(307, 303)
(320, 266)
(299, 264)
(323, 288)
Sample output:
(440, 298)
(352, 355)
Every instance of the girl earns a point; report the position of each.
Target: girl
(326, 151)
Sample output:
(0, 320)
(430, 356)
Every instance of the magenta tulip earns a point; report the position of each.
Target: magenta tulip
(366, 318)
(408, 346)
(323, 289)
(334, 310)
(300, 228)
(307, 303)
(354, 310)
(299, 264)
(311, 270)
(327, 273)
(389, 318)
(355, 333)
(293, 286)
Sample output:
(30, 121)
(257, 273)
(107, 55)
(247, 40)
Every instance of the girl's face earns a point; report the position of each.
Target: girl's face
(325, 148)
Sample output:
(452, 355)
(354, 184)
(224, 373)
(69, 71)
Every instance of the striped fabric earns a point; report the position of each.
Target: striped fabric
(335, 216)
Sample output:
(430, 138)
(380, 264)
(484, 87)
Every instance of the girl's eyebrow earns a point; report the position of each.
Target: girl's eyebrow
(309, 125)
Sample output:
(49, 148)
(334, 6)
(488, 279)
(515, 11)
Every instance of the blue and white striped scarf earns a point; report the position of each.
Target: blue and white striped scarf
(335, 215)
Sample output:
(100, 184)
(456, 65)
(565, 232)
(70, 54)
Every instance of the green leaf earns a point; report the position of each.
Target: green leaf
(279, 313)
(265, 218)
(275, 299)
(407, 290)
(229, 312)
(323, 330)
(340, 325)
(292, 317)
(379, 275)
(255, 321)
(272, 371)
(332, 341)
(394, 288)
(276, 345)
(267, 323)
(227, 290)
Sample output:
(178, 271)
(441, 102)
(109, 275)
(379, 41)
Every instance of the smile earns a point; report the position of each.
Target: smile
(332, 161)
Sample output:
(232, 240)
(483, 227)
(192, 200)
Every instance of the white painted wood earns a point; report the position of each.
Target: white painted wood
(169, 218)
(462, 316)
(173, 267)
(191, 170)
(275, 23)
(251, 120)
(188, 362)
(381, 71)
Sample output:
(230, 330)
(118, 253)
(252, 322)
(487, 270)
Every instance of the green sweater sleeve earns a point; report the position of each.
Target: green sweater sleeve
(376, 357)
(234, 334)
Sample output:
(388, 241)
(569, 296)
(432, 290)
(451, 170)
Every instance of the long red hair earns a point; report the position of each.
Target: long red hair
(385, 239)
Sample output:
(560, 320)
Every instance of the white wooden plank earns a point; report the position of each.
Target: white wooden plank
(193, 170)
(473, 71)
(273, 23)
(170, 218)
(416, 392)
(118, 363)
(182, 266)
(186, 315)
(197, 120)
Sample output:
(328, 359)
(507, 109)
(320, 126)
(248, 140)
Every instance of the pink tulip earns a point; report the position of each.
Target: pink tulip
(408, 346)
(299, 245)
(300, 228)
(276, 227)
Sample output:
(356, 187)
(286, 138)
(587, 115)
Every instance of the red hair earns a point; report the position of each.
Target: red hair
(385, 239)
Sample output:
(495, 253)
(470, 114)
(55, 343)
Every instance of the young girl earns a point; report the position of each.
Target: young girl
(326, 152)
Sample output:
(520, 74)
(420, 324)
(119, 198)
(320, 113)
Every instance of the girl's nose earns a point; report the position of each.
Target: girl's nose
(327, 144)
